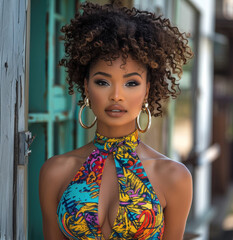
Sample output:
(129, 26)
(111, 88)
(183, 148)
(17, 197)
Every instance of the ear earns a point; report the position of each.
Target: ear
(147, 90)
(85, 87)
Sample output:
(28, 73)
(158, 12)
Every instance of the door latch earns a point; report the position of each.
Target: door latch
(25, 141)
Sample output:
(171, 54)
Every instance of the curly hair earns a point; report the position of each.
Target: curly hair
(108, 32)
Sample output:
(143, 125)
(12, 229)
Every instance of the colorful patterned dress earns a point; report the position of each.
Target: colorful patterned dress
(140, 214)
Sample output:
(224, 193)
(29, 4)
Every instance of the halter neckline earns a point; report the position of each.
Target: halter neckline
(129, 142)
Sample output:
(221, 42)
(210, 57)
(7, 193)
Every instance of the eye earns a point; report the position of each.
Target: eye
(132, 83)
(101, 83)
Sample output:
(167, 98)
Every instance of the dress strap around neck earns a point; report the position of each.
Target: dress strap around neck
(107, 145)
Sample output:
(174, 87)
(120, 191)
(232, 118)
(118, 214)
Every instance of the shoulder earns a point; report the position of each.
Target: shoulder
(59, 169)
(59, 163)
(179, 186)
(173, 176)
(176, 171)
(176, 183)
(55, 166)
(52, 175)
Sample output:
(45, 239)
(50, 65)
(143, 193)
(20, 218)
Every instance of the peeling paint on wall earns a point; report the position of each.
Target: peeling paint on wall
(13, 27)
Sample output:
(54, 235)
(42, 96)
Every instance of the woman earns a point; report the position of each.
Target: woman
(116, 187)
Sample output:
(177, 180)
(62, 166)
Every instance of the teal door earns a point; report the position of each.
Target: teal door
(52, 111)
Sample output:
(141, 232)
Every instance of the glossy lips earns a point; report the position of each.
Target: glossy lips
(115, 110)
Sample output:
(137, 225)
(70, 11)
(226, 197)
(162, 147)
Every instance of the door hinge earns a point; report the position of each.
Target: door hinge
(25, 140)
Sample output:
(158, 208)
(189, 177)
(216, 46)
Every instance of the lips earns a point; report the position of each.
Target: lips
(115, 108)
(115, 111)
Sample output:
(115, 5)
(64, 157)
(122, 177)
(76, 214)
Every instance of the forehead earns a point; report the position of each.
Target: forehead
(118, 65)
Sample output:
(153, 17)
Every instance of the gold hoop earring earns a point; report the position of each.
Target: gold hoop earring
(144, 109)
(86, 104)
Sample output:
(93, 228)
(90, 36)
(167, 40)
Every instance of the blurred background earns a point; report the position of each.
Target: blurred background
(38, 115)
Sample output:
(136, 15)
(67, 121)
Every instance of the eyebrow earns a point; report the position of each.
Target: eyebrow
(124, 76)
(102, 73)
(132, 74)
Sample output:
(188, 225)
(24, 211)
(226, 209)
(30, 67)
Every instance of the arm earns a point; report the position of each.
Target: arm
(179, 199)
(49, 186)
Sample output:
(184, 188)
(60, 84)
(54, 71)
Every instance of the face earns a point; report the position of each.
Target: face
(116, 93)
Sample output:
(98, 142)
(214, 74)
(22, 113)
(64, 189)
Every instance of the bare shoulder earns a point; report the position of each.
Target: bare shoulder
(58, 163)
(60, 169)
(178, 177)
(176, 170)
(171, 174)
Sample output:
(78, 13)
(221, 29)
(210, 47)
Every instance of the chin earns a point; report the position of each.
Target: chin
(118, 123)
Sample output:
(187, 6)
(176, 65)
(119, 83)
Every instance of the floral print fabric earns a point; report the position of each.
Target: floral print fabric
(140, 215)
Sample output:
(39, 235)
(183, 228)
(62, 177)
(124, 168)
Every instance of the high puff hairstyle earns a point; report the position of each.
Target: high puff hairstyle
(108, 32)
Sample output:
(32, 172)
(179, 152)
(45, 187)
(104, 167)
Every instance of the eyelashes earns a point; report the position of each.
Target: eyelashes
(101, 83)
(132, 83)
(128, 84)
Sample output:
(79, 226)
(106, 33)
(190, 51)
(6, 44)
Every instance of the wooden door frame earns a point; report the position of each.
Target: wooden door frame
(20, 219)
(14, 51)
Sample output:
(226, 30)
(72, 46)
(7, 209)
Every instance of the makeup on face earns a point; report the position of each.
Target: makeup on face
(117, 92)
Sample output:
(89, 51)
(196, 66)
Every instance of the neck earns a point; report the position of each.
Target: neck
(115, 131)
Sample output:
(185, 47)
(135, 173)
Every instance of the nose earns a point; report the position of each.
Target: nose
(116, 93)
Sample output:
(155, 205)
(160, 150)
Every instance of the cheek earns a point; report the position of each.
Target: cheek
(93, 94)
(136, 100)
(96, 98)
